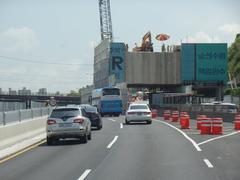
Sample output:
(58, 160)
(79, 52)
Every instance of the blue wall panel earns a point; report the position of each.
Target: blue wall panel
(117, 61)
(187, 62)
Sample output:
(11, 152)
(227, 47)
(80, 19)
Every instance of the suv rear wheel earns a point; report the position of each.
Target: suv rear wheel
(149, 122)
(84, 139)
(99, 126)
(89, 136)
(49, 141)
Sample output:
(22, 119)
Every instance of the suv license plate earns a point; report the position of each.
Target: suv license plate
(65, 125)
(139, 114)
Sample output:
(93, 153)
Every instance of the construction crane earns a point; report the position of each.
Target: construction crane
(105, 20)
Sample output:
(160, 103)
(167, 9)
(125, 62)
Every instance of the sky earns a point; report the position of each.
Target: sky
(50, 43)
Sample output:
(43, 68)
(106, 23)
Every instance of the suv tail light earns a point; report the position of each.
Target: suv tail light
(131, 113)
(51, 121)
(147, 113)
(79, 120)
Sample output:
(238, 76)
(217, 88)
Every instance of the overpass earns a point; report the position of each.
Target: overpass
(61, 100)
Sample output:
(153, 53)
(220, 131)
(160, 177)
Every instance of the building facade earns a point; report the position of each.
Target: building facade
(86, 94)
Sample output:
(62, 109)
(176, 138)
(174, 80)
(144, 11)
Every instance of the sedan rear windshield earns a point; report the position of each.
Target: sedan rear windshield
(61, 113)
(139, 107)
(91, 109)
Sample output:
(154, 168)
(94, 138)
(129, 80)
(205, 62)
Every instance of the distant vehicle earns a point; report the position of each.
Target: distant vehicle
(221, 106)
(85, 105)
(68, 122)
(72, 105)
(108, 101)
(138, 113)
(94, 116)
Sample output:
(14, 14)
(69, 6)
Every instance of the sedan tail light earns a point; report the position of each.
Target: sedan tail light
(51, 121)
(79, 120)
(147, 113)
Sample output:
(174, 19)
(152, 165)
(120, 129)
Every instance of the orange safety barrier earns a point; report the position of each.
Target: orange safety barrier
(154, 113)
(175, 116)
(237, 122)
(199, 119)
(206, 126)
(183, 113)
(167, 115)
(185, 122)
(217, 126)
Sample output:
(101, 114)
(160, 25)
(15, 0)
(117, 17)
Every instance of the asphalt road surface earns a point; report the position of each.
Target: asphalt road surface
(131, 152)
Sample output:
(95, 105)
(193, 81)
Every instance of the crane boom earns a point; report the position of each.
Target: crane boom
(105, 20)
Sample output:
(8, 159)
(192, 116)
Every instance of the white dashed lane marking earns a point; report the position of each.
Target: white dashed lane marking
(85, 174)
(113, 141)
(121, 125)
(208, 163)
(113, 120)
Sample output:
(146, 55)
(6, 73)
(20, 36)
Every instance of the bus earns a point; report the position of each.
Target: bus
(108, 101)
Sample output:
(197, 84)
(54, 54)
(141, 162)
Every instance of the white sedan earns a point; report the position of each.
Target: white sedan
(138, 113)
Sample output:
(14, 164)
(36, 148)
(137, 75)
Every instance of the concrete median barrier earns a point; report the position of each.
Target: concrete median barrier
(19, 131)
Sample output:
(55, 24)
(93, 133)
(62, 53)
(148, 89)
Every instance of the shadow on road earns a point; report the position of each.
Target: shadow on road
(135, 123)
(64, 142)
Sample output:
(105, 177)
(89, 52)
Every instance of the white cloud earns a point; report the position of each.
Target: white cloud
(18, 39)
(231, 29)
(202, 37)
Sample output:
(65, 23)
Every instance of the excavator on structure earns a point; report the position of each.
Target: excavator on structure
(147, 45)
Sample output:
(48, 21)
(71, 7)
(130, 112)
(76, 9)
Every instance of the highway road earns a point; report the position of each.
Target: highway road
(131, 152)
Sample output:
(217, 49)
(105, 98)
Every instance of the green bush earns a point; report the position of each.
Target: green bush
(235, 92)
(228, 91)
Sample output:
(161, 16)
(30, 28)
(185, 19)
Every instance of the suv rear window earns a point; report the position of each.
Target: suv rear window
(69, 112)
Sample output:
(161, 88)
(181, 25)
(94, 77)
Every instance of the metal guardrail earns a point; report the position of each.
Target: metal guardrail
(21, 115)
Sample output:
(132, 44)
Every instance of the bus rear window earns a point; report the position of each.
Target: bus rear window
(111, 92)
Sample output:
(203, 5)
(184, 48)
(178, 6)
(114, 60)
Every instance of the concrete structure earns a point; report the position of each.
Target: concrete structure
(101, 64)
(86, 93)
(24, 91)
(12, 92)
(113, 64)
(14, 133)
(147, 69)
(42, 91)
(198, 68)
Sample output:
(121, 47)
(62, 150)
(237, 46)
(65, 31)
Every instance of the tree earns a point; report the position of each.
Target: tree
(234, 60)
(74, 93)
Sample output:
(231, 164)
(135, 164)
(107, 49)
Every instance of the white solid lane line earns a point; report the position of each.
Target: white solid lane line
(219, 137)
(183, 133)
(121, 125)
(84, 175)
(113, 141)
(208, 163)
(113, 120)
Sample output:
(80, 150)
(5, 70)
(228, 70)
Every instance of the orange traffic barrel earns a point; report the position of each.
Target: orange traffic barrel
(175, 116)
(237, 122)
(183, 113)
(185, 122)
(154, 113)
(217, 126)
(206, 126)
(167, 115)
(199, 119)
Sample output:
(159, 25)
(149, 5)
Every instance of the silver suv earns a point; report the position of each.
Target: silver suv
(68, 122)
